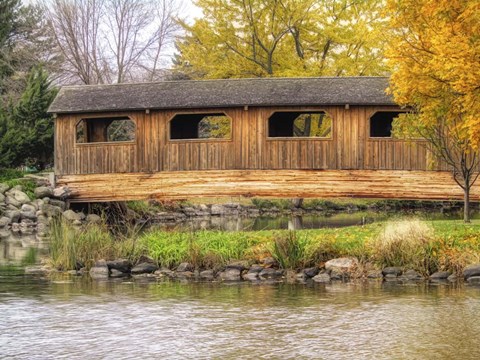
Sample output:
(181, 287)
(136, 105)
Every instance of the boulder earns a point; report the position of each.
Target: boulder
(4, 221)
(452, 278)
(2, 198)
(471, 270)
(207, 275)
(61, 204)
(255, 268)
(3, 188)
(240, 265)
(412, 275)
(51, 210)
(474, 280)
(39, 180)
(165, 272)
(185, 266)
(322, 278)
(43, 191)
(251, 276)
(10, 200)
(30, 215)
(114, 273)
(93, 219)
(440, 275)
(99, 271)
(71, 215)
(122, 265)
(311, 271)
(375, 274)
(270, 273)
(19, 196)
(269, 261)
(230, 275)
(144, 268)
(392, 271)
(28, 208)
(38, 270)
(13, 215)
(62, 192)
(217, 210)
(341, 265)
(185, 275)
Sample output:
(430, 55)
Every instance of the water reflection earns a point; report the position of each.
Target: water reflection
(15, 249)
(77, 318)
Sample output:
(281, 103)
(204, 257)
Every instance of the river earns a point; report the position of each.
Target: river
(76, 318)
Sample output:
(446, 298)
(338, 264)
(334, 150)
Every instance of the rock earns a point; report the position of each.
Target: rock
(392, 270)
(452, 278)
(230, 275)
(412, 275)
(71, 215)
(4, 234)
(76, 223)
(99, 271)
(204, 208)
(39, 180)
(94, 219)
(240, 265)
(217, 210)
(474, 280)
(13, 215)
(3, 188)
(28, 208)
(269, 261)
(61, 204)
(185, 275)
(207, 275)
(255, 268)
(43, 191)
(270, 273)
(146, 259)
(251, 276)
(29, 215)
(311, 272)
(19, 196)
(144, 268)
(62, 192)
(322, 278)
(185, 266)
(4, 221)
(337, 274)
(9, 200)
(114, 273)
(2, 198)
(440, 275)
(38, 270)
(165, 272)
(471, 270)
(122, 265)
(51, 210)
(375, 274)
(341, 265)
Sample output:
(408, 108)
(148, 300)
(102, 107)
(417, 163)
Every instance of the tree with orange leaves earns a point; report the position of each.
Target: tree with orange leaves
(434, 54)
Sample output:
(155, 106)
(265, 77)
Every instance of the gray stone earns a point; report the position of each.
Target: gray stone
(207, 275)
(412, 275)
(2, 198)
(452, 278)
(30, 215)
(114, 273)
(217, 210)
(230, 275)
(43, 191)
(62, 192)
(184, 275)
(392, 270)
(322, 278)
(251, 276)
(4, 234)
(10, 200)
(38, 270)
(270, 273)
(204, 208)
(144, 268)
(101, 262)
(269, 261)
(71, 215)
(29, 208)
(93, 219)
(337, 274)
(311, 272)
(341, 265)
(375, 274)
(474, 280)
(240, 265)
(440, 275)
(122, 265)
(19, 196)
(39, 180)
(185, 266)
(5, 221)
(3, 188)
(61, 204)
(471, 270)
(51, 210)
(13, 215)
(165, 272)
(99, 272)
(255, 268)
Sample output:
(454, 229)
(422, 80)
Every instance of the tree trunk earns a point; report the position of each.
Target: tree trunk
(466, 204)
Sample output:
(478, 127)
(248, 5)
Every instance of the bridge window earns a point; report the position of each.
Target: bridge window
(111, 129)
(293, 124)
(381, 123)
(200, 126)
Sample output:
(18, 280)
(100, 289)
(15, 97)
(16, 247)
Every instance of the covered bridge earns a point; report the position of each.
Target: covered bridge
(295, 137)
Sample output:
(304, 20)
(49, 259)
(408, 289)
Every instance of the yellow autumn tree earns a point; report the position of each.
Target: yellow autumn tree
(263, 38)
(434, 54)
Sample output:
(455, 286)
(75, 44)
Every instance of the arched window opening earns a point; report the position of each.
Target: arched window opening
(200, 126)
(111, 129)
(299, 124)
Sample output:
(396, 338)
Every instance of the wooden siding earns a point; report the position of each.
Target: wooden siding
(350, 146)
(398, 184)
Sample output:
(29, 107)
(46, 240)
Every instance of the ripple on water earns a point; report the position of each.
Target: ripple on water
(81, 320)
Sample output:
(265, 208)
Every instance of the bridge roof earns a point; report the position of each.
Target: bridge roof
(188, 94)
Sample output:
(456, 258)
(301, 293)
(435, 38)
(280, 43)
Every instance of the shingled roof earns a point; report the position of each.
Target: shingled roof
(223, 93)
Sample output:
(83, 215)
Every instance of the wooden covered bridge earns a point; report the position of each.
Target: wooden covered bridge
(300, 137)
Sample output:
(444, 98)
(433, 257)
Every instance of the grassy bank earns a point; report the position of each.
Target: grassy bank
(425, 246)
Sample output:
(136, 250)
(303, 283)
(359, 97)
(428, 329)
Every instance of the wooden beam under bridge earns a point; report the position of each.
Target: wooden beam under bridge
(380, 184)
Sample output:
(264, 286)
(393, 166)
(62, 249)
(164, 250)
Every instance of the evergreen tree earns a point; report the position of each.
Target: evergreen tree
(8, 16)
(27, 128)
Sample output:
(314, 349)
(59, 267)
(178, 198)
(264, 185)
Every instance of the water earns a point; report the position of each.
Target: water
(74, 318)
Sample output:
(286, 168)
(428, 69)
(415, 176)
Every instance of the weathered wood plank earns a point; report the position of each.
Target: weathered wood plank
(433, 185)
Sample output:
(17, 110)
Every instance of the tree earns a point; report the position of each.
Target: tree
(257, 38)
(8, 15)
(26, 130)
(112, 41)
(434, 52)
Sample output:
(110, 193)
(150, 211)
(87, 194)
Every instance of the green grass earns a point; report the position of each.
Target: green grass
(10, 174)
